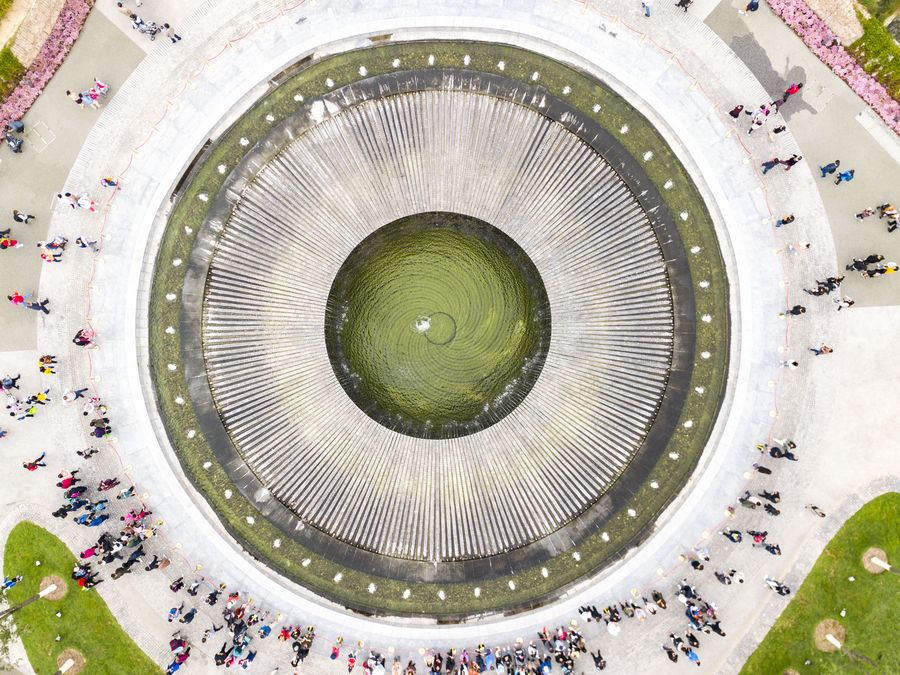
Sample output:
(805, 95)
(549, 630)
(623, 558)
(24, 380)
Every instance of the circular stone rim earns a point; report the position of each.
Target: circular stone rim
(533, 552)
(512, 253)
(163, 382)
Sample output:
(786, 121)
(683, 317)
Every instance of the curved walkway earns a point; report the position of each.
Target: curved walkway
(695, 125)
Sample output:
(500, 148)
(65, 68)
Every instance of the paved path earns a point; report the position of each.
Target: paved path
(804, 402)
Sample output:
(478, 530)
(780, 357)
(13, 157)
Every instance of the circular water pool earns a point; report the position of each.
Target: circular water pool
(437, 325)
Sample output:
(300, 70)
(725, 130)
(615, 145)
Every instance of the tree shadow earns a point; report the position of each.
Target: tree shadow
(756, 59)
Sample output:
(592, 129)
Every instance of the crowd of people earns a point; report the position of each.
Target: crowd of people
(244, 627)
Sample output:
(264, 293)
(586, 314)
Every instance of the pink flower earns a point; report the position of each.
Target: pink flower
(818, 37)
(50, 56)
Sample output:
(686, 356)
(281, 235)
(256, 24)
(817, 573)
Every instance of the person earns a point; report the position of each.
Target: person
(20, 217)
(790, 91)
(759, 118)
(865, 213)
(830, 168)
(684, 4)
(599, 661)
(824, 349)
(770, 164)
(35, 463)
(790, 162)
(84, 337)
(647, 5)
(845, 176)
(733, 535)
(796, 310)
(792, 365)
(752, 6)
(170, 33)
(9, 582)
(815, 509)
(786, 220)
(735, 112)
(671, 653)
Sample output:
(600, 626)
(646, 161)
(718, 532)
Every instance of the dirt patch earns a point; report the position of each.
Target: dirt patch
(76, 656)
(61, 587)
(824, 628)
(867, 560)
(791, 671)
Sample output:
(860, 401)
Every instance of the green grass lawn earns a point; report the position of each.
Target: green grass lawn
(879, 55)
(5, 6)
(872, 602)
(86, 623)
(11, 71)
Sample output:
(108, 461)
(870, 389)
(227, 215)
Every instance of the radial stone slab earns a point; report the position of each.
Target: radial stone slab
(339, 177)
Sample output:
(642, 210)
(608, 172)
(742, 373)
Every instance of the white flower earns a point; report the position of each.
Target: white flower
(170, 297)
(244, 141)
(695, 249)
(623, 129)
(329, 83)
(305, 562)
(705, 355)
(535, 76)
(704, 284)
(706, 318)
(250, 520)
(596, 107)
(477, 592)
(362, 71)
(501, 65)
(173, 367)
(228, 494)
(632, 513)
(406, 594)
(203, 197)
(206, 465)
(338, 577)
(298, 98)
(654, 484)
(431, 59)
(512, 585)
(604, 536)
(466, 61)
(673, 455)
(668, 185)
(222, 168)
(179, 400)
(191, 433)
(545, 572)
(684, 215)
(177, 262)
(276, 543)
(648, 156)
(396, 64)
(688, 424)
(372, 587)
(567, 90)
(442, 595)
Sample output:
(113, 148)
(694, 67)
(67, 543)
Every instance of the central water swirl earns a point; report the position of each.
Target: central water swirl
(437, 325)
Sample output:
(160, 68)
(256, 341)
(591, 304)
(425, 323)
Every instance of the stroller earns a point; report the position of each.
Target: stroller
(148, 28)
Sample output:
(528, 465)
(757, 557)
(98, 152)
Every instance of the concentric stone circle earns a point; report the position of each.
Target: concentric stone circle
(347, 172)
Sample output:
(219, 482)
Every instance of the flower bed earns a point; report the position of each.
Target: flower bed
(57, 45)
(820, 39)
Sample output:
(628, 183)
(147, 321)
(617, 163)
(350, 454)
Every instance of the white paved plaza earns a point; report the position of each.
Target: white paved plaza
(684, 78)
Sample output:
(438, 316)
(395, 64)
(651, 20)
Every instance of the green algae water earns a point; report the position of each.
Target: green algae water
(437, 325)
